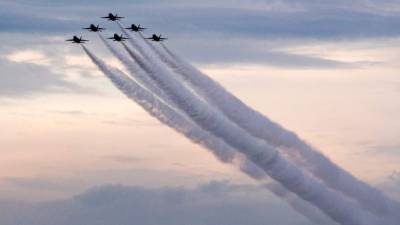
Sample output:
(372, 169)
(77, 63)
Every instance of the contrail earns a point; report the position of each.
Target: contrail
(299, 205)
(142, 63)
(259, 152)
(142, 49)
(262, 127)
(136, 72)
(145, 66)
(250, 169)
(163, 112)
(220, 149)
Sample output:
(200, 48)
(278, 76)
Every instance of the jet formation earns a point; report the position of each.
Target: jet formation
(93, 28)
(112, 17)
(154, 37)
(115, 37)
(136, 28)
(77, 40)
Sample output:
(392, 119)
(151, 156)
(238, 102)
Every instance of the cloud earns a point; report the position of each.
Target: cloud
(69, 112)
(392, 185)
(29, 56)
(209, 32)
(386, 149)
(36, 183)
(261, 19)
(212, 33)
(131, 122)
(123, 159)
(33, 64)
(253, 52)
(395, 176)
(116, 204)
(26, 79)
(25, 17)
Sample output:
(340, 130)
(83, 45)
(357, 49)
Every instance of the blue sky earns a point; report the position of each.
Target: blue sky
(326, 69)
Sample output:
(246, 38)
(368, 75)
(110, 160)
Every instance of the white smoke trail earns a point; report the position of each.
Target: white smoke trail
(259, 152)
(249, 168)
(262, 127)
(220, 149)
(144, 51)
(142, 63)
(163, 112)
(307, 210)
(145, 66)
(136, 72)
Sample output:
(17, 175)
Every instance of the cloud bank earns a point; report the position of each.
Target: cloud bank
(217, 202)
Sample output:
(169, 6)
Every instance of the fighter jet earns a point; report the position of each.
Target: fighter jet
(135, 28)
(93, 28)
(117, 37)
(77, 40)
(157, 38)
(112, 17)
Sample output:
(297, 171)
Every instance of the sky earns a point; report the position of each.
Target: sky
(74, 150)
